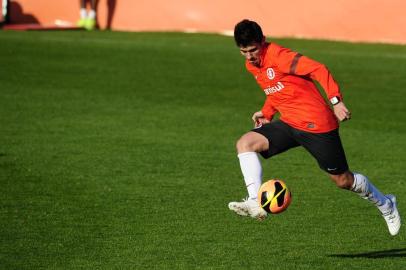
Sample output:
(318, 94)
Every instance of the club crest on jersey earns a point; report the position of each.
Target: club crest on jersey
(270, 73)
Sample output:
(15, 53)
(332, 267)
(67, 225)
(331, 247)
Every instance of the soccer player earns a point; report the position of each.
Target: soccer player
(306, 119)
(87, 19)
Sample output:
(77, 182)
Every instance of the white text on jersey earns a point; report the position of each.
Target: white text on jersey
(270, 90)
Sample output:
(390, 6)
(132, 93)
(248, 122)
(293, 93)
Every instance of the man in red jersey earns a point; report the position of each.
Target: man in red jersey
(306, 119)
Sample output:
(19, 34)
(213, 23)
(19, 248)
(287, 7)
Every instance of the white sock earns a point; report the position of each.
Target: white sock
(252, 171)
(92, 14)
(368, 191)
(83, 13)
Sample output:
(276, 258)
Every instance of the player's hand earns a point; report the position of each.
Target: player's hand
(259, 119)
(341, 112)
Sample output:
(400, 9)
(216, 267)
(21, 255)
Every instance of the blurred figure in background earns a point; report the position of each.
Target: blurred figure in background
(87, 18)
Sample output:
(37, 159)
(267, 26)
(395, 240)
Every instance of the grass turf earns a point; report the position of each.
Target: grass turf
(117, 152)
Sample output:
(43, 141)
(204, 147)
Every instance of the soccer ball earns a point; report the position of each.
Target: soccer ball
(274, 196)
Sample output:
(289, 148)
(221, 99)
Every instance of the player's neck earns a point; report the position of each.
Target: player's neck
(264, 48)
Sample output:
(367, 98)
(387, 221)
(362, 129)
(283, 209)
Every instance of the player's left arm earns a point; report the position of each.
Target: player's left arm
(306, 66)
(297, 64)
(341, 111)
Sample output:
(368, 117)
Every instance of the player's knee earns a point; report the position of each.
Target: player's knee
(244, 145)
(249, 143)
(344, 180)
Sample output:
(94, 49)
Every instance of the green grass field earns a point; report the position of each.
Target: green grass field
(117, 152)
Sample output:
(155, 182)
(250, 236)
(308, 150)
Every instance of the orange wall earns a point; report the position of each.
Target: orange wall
(352, 20)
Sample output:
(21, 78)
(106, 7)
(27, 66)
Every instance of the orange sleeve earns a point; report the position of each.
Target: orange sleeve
(318, 72)
(268, 110)
(297, 64)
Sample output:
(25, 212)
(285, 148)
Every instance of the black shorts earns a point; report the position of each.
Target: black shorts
(326, 148)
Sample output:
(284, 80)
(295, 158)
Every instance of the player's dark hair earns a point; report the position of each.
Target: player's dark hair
(247, 32)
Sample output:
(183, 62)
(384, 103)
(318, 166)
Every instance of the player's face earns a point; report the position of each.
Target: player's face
(252, 53)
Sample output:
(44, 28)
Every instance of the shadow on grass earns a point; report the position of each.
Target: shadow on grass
(391, 253)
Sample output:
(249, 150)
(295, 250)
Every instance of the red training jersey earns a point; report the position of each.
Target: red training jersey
(286, 78)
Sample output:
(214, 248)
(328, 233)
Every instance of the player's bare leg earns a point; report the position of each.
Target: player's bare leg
(361, 185)
(247, 147)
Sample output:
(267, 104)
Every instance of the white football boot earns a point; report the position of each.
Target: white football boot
(248, 207)
(392, 218)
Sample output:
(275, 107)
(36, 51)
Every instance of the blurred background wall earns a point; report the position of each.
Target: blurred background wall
(350, 20)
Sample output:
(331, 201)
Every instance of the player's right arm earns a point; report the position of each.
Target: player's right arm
(265, 115)
(259, 119)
